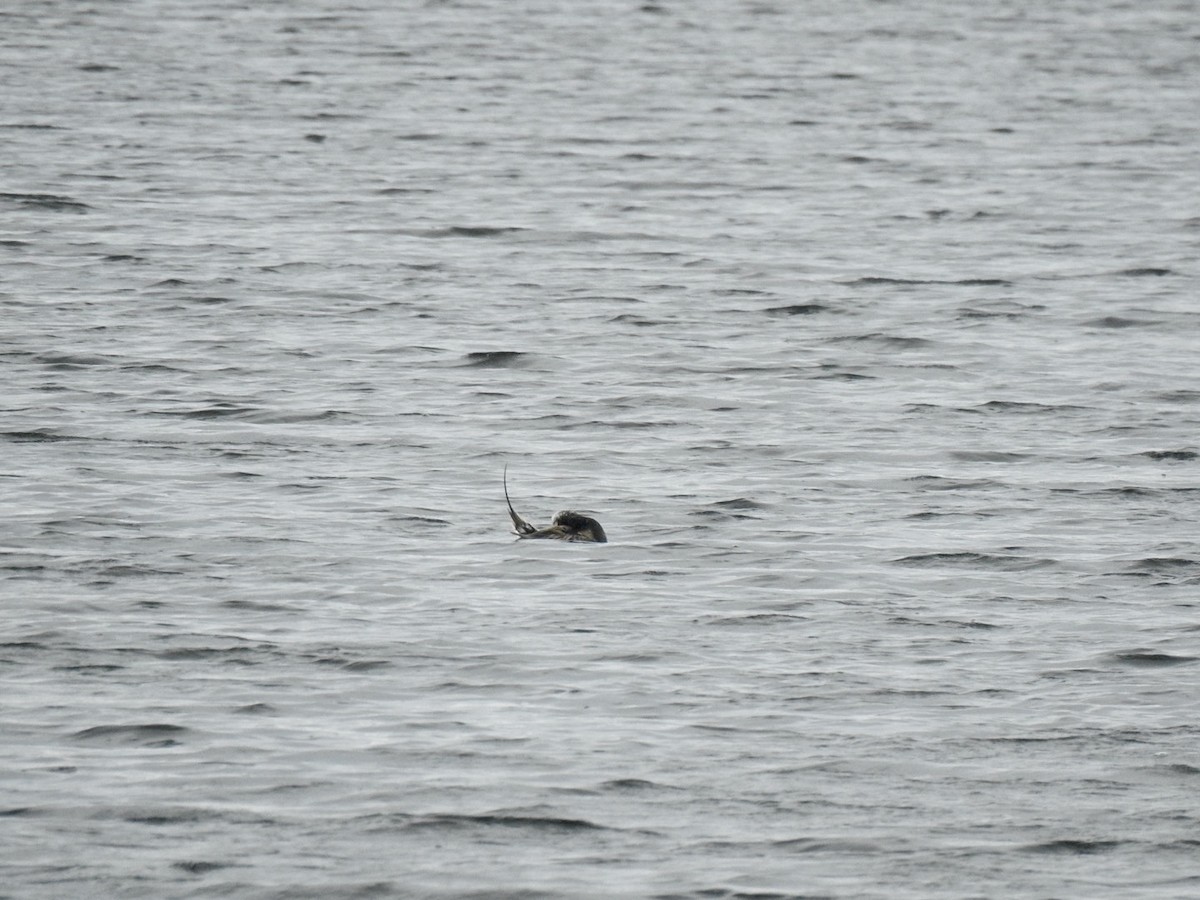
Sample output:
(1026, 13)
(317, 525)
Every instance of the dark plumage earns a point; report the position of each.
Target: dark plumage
(567, 525)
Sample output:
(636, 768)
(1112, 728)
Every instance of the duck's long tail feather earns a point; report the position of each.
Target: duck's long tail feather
(520, 524)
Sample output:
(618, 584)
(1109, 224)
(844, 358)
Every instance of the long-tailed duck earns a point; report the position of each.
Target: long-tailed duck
(567, 525)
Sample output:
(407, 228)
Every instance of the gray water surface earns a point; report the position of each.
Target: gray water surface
(868, 330)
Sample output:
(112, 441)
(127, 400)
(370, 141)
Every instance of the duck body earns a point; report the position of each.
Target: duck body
(567, 525)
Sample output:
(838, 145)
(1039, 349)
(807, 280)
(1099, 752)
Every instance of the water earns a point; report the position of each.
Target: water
(866, 330)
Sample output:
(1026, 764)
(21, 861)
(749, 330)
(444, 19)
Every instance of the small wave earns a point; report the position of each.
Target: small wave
(1171, 454)
(1159, 563)
(1125, 492)
(909, 692)
(295, 418)
(257, 606)
(1177, 769)
(629, 785)
(670, 185)
(844, 376)
(257, 709)
(216, 411)
(470, 231)
(238, 654)
(938, 483)
(48, 202)
(742, 292)
(757, 619)
(23, 568)
(495, 359)
(151, 367)
(1183, 395)
(366, 665)
(967, 282)
(740, 503)
(974, 560)
(631, 423)
(1040, 739)
(889, 340)
(133, 570)
(38, 436)
(640, 321)
(423, 520)
(797, 309)
(199, 867)
(335, 658)
(1149, 659)
(971, 313)
(1120, 322)
(1147, 272)
(170, 816)
(717, 514)
(492, 820)
(988, 456)
(949, 623)
(72, 360)
(639, 573)
(820, 845)
(153, 735)
(1026, 407)
(1072, 847)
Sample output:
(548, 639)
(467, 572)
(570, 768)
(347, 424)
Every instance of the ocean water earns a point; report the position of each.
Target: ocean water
(867, 329)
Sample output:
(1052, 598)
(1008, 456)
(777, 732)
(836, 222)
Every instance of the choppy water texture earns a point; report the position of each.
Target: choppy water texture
(868, 331)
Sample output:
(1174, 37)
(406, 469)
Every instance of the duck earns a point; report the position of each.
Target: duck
(567, 525)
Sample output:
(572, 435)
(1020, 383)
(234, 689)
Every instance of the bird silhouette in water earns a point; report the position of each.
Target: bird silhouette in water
(567, 525)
